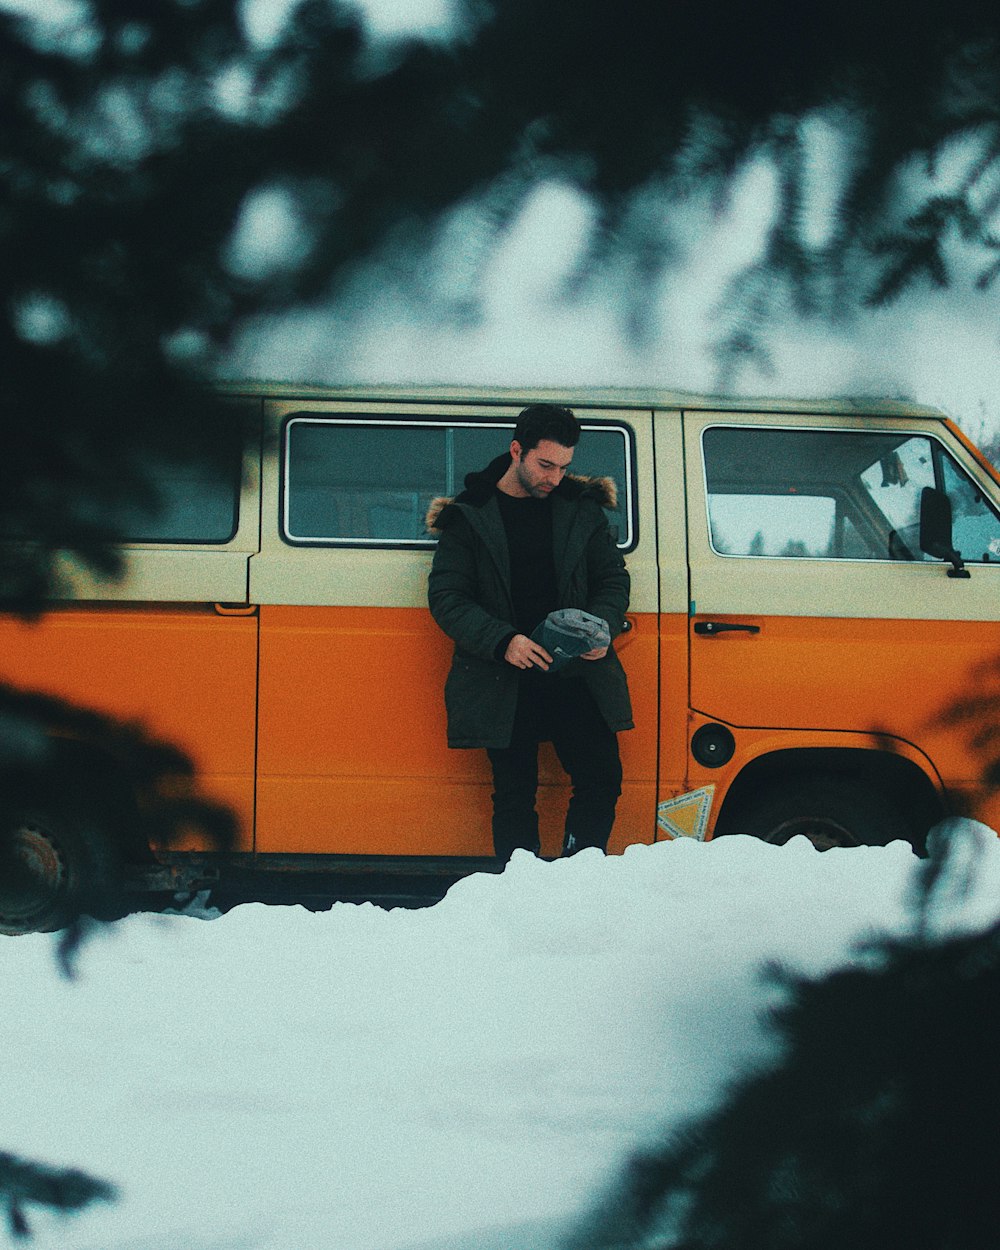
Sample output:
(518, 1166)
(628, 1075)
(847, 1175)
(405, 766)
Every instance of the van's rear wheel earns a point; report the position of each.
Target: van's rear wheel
(829, 811)
(54, 867)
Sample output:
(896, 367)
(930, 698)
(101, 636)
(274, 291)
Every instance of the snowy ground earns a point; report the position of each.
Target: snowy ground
(465, 1076)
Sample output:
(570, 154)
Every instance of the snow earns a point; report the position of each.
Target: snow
(468, 1075)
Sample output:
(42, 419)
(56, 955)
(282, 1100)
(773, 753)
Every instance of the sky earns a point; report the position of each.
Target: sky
(469, 1076)
(941, 349)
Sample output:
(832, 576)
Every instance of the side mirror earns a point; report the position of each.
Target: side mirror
(935, 530)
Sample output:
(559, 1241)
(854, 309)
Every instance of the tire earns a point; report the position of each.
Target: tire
(54, 867)
(830, 811)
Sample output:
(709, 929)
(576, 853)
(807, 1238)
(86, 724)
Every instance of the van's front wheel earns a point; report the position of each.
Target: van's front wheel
(53, 867)
(829, 811)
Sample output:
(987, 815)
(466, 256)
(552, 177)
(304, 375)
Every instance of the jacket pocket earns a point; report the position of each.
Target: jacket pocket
(478, 699)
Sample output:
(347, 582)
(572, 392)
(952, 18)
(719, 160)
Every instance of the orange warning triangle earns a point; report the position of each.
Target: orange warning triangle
(686, 815)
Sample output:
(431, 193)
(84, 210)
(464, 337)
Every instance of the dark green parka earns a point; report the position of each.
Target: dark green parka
(469, 592)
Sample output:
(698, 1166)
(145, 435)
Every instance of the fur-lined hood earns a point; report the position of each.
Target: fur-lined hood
(479, 489)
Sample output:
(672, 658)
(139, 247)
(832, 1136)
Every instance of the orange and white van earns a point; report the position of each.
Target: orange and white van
(814, 641)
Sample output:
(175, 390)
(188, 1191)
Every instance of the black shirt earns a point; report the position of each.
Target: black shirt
(528, 525)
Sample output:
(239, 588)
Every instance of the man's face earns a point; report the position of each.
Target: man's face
(540, 470)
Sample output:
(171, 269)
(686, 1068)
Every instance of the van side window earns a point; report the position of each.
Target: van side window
(188, 503)
(835, 494)
(349, 482)
(192, 504)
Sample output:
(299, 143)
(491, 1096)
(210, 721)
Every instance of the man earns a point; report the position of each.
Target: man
(521, 540)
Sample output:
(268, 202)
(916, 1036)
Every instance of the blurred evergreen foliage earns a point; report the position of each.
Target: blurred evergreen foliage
(24, 1184)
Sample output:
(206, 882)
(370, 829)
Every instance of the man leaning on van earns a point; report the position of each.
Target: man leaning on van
(523, 541)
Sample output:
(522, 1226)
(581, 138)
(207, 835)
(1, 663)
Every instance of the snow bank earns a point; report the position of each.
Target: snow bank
(278, 1079)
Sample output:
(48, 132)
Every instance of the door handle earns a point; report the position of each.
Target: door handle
(724, 627)
(235, 609)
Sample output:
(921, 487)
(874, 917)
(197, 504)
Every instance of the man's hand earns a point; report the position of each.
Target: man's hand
(598, 653)
(523, 653)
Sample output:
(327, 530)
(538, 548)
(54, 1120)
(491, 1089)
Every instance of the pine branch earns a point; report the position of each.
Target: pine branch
(24, 1184)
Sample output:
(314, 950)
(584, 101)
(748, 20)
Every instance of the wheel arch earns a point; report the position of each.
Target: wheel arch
(911, 786)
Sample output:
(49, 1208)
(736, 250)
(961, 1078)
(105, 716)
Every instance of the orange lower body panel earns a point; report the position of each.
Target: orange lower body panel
(353, 756)
(184, 676)
(925, 689)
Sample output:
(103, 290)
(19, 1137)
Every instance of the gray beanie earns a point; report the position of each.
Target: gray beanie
(569, 632)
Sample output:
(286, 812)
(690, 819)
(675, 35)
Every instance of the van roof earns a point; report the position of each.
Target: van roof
(580, 398)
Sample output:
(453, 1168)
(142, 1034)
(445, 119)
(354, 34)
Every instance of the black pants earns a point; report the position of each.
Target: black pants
(564, 712)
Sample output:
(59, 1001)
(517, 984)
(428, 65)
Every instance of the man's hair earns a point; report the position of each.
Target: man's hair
(539, 421)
